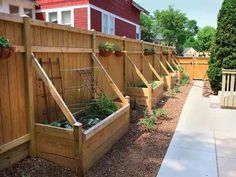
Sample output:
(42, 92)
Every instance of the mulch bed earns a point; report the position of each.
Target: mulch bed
(138, 154)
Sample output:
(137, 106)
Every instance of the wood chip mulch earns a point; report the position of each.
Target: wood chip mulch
(138, 154)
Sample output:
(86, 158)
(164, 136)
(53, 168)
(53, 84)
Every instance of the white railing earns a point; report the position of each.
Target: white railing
(228, 92)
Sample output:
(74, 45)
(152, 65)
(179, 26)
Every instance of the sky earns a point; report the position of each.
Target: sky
(204, 11)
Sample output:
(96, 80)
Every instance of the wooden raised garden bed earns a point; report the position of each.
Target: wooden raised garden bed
(57, 144)
(79, 146)
(174, 79)
(167, 82)
(147, 93)
(180, 74)
(143, 95)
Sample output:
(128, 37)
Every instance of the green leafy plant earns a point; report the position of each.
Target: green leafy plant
(180, 68)
(185, 79)
(165, 51)
(149, 51)
(173, 92)
(148, 121)
(174, 67)
(99, 109)
(4, 42)
(107, 46)
(153, 84)
(161, 113)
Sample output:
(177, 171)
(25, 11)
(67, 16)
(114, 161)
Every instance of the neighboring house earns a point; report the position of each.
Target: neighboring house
(18, 7)
(204, 54)
(115, 17)
(190, 52)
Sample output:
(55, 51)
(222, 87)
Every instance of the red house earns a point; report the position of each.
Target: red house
(115, 17)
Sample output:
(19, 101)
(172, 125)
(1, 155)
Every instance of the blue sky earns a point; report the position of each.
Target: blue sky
(204, 11)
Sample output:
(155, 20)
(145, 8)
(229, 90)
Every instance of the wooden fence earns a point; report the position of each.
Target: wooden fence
(21, 101)
(196, 67)
(228, 92)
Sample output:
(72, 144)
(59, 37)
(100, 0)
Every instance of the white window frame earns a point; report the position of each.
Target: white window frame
(109, 16)
(138, 31)
(59, 17)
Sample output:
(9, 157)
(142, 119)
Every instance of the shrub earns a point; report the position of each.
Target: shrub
(4, 42)
(223, 54)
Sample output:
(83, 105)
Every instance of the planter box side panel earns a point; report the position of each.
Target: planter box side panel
(139, 92)
(167, 83)
(174, 79)
(99, 144)
(138, 95)
(14, 155)
(157, 94)
(55, 145)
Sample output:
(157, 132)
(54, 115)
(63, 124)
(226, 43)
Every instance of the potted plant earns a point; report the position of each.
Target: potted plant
(149, 51)
(165, 51)
(106, 49)
(5, 48)
(118, 52)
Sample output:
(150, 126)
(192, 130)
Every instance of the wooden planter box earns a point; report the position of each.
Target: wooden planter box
(174, 79)
(180, 74)
(167, 82)
(142, 96)
(57, 144)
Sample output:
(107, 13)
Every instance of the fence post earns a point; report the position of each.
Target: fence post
(142, 48)
(124, 63)
(29, 85)
(78, 149)
(93, 44)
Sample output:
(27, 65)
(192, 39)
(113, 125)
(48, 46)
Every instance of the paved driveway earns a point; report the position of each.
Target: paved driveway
(204, 144)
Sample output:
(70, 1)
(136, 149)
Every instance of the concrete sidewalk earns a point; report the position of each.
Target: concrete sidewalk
(204, 144)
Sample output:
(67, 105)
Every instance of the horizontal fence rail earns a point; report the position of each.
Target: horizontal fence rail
(228, 92)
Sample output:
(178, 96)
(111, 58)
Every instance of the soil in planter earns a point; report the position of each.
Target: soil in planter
(138, 154)
(95, 113)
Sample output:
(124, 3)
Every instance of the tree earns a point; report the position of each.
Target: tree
(203, 41)
(146, 28)
(223, 54)
(174, 26)
(205, 38)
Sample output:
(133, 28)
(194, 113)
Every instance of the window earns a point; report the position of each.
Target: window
(105, 23)
(14, 10)
(28, 12)
(61, 17)
(66, 18)
(52, 17)
(108, 24)
(138, 32)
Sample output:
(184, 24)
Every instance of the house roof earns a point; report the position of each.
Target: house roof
(139, 7)
(187, 49)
